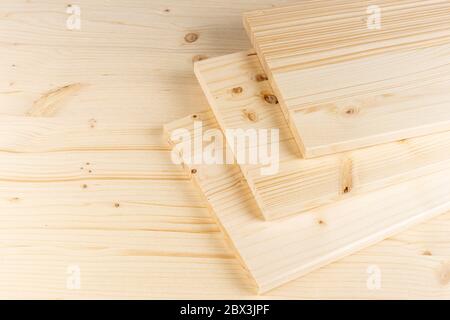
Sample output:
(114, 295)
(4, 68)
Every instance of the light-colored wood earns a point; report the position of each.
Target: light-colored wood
(156, 245)
(279, 251)
(343, 85)
(236, 89)
(161, 242)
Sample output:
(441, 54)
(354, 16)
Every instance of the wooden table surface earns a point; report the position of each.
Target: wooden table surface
(86, 179)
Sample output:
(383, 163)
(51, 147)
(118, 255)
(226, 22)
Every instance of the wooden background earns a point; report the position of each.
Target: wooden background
(86, 178)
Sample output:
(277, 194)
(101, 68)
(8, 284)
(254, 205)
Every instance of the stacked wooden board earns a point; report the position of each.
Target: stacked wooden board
(344, 85)
(303, 184)
(359, 103)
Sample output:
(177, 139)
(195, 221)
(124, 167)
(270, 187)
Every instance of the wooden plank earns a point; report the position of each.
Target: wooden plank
(237, 91)
(146, 66)
(344, 85)
(276, 252)
(413, 264)
(137, 68)
(157, 223)
(164, 229)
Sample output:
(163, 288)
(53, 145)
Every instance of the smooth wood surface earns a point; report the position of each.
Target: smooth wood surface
(279, 251)
(237, 92)
(161, 242)
(343, 85)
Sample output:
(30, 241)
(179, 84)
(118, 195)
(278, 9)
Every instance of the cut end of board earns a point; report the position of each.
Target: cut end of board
(209, 122)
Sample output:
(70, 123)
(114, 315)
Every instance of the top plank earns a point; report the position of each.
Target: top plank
(349, 75)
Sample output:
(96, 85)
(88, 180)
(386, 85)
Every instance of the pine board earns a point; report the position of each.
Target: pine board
(161, 242)
(279, 251)
(343, 86)
(235, 88)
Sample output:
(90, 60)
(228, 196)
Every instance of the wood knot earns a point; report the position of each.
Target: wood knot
(194, 171)
(261, 77)
(346, 174)
(427, 253)
(250, 115)
(270, 98)
(191, 37)
(444, 274)
(194, 116)
(92, 123)
(350, 111)
(237, 90)
(199, 57)
(117, 205)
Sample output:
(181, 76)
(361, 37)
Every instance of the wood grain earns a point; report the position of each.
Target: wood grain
(161, 242)
(279, 251)
(237, 91)
(343, 85)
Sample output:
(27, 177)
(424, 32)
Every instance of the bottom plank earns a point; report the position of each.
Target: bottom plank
(276, 252)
